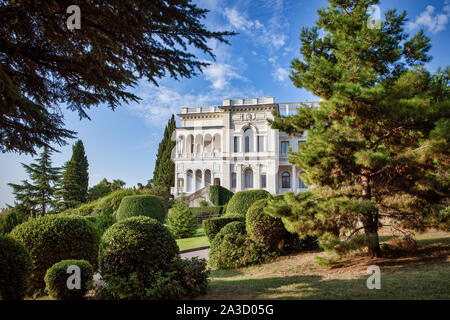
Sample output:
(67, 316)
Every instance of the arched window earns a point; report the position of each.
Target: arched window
(285, 180)
(248, 140)
(249, 178)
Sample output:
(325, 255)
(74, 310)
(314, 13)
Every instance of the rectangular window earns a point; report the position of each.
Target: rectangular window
(263, 181)
(236, 144)
(247, 144)
(284, 147)
(260, 144)
(233, 180)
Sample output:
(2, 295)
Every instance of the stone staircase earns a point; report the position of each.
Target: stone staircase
(194, 199)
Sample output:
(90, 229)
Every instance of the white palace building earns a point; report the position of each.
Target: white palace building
(234, 146)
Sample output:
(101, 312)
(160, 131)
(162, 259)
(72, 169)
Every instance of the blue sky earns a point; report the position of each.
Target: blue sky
(123, 144)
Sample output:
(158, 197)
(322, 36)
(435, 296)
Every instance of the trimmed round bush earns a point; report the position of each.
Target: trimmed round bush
(57, 276)
(219, 195)
(214, 225)
(232, 248)
(53, 238)
(139, 245)
(264, 229)
(242, 200)
(15, 269)
(141, 205)
(112, 201)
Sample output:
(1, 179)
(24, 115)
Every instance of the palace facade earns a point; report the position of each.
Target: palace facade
(234, 146)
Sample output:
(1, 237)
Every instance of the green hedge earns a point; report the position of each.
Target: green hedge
(242, 200)
(214, 225)
(141, 205)
(57, 276)
(139, 245)
(207, 211)
(219, 195)
(232, 248)
(53, 238)
(15, 269)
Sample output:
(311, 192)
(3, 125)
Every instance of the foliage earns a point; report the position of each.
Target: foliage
(203, 203)
(120, 243)
(112, 201)
(443, 219)
(242, 200)
(164, 172)
(264, 229)
(159, 191)
(103, 188)
(207, 211)
(75, 178)
(219, 195)
(57, 276)
(214, 225)
(53, 238)
(141, 205)
(232, 248)
(15, 266)
(378, 143)
(9, 218)
(38, 195)
(181, 222)
(41, 61)
(185, 278)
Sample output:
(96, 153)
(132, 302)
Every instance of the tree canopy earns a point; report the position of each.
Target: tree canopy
(377, 147)
(45, 65)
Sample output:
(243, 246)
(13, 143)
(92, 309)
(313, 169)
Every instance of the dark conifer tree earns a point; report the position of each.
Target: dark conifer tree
(75, 178)
(377, 148)
(37, 196)
(164, 172)
(44, 63)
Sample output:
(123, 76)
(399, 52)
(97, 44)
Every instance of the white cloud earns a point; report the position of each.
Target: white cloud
(434, 22)
(280, 74)
(271, 36)
(220, 75)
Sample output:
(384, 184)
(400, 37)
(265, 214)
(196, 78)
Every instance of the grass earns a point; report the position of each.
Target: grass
(422, 275)
(198, 240)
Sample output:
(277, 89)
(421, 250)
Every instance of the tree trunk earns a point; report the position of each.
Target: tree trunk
(370, 223)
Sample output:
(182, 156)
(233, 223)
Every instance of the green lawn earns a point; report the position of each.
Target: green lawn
(423, 275)
(198, 240)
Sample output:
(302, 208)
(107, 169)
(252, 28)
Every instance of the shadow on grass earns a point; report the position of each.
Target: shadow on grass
(394, 285)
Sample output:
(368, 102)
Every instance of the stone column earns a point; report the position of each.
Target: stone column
(185, 182)
(239, 177)
(295, 179)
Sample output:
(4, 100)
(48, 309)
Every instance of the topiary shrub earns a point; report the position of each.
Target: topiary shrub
(57, 276)
(214, 225)
(15, 269)
(232, 248)
(112, 201)
(53, 238)
(8, 220)
(156, 272)
(264, 229)
(181, 222)
(137, 244)
(141, 205)
(242, 200)
(219, 195)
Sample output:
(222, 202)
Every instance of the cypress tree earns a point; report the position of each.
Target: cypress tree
(37, 196)
(75, 178)
(377, 149)
(164, 173)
